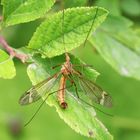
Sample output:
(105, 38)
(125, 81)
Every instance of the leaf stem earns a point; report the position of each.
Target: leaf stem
(11, 51)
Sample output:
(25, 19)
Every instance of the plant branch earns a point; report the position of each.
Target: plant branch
(11, 51)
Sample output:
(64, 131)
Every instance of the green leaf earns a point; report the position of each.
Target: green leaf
(131, 7)
(78, 116)
(137, 31)
(20, 11)
(7, 69)
(120, 29)
(121, 58)
(119, 45)
(73, 28)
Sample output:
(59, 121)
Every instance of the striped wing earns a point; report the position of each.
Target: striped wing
(37, 91)
(94, 92)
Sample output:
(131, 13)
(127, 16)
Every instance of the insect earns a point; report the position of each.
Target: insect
(67, 73)
(77, 80)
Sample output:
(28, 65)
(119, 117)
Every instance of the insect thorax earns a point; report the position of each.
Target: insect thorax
(67, 68)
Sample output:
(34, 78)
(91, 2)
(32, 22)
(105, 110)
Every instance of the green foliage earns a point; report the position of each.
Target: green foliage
(111, 5)
(116, 41)
(49, 36)
(88, 125)
(131, 7)
(7, 68)
(44, 41)
(20, 11)
(74, 3)
(119, 45)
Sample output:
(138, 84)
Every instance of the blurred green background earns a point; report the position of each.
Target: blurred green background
(125, 125)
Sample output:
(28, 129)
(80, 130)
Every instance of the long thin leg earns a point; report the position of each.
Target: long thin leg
(82, 65)
(90, 28)
(95, 107)
(43, 104)
(73, 82)
(58, 65)
(38, 109)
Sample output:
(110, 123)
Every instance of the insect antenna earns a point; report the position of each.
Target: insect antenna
(43, 104)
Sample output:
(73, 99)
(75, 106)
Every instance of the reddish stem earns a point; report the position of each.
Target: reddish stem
(11, 51)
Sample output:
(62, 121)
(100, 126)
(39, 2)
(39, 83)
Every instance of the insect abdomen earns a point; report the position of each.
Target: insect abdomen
(61, 93)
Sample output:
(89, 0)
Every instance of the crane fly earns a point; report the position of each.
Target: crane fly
(77, 80)
(67, 73)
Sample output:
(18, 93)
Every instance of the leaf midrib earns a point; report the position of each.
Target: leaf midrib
(58, 37)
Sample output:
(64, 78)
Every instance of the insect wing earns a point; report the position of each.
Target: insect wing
(37, 91)
(95, 93)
